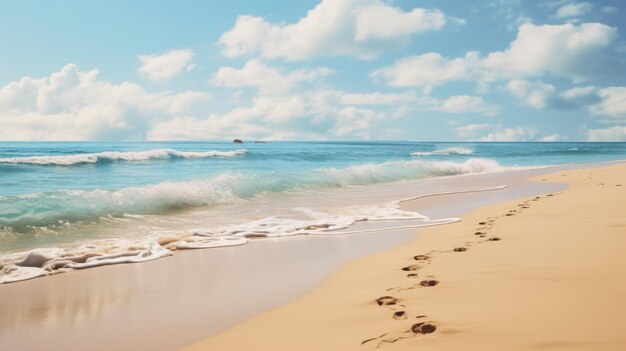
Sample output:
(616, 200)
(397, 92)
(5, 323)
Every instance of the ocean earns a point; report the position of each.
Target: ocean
(66, 206)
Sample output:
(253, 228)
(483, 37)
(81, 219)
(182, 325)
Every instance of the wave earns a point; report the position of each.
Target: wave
(29, 212)
(444, 152)
(117, 156)
(39, 262)
(46, 261)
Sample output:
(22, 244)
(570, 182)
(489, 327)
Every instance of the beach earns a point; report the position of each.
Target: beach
(545, 275)
(313, 175)
(175, 301)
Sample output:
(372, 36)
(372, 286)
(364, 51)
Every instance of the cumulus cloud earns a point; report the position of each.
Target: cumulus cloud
(467, 104)
(576, 52)
(573, 10)
(357, 28)
(490, 132)
(511, 134)
(551, 138)
(616, 133)
(613, 103)
(540, 95)
(412, 102)
(305, 116)
(163, 67)
(267, 79)
(606, 102)
(428, 70)
(537, 95)
(377, 98)
(472, 131)
(75, 105)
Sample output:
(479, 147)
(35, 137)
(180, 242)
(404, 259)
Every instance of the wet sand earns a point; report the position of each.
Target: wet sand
(539, 273)
(175, 301)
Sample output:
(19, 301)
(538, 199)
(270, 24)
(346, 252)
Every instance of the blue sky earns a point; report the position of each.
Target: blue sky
(497, 70)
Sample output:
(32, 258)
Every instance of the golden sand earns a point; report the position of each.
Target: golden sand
(545, 273)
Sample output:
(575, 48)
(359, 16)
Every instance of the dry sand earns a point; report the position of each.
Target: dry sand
(554, 281)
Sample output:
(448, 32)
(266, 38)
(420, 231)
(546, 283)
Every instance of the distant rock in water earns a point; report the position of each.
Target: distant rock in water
(238, 141)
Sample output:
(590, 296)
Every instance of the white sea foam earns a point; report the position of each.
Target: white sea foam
(63, 208)
(117, 156)
(398, 170)
(444, 152)
(45, 261)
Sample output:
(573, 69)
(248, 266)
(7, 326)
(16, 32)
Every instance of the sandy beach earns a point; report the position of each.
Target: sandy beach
(327, 175)
(540, 273)
(173, 302)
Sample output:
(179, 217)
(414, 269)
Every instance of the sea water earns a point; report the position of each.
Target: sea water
(67, 206)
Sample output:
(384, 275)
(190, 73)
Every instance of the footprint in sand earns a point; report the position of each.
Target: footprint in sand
(494, 239)
(410, 268)
(386, 301)
(460, 249)
(421, 328)
(399, 315)
(421, 258)
(429, 283)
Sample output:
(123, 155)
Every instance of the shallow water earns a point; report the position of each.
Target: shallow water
(80, 205)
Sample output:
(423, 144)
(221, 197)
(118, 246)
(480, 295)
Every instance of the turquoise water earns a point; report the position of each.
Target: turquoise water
(44, 183)
(56, 194)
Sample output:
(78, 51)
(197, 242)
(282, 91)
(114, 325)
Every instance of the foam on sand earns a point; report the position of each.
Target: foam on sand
(46, 261)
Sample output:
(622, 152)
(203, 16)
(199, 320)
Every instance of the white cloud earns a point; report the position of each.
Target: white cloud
(498, 133)
(381, 21)
(358, 28)
(428, 71)
(377, 98)
(538, 95)
(551, 138)
(75, 105)
(412, 102)
(472, 131)
(573, 10)
(162, 67)
(511, 134)
(468, 104)
(567, 50)
(617, 133)
(306, 116)
(541, 95)
(267, 79)
(613, 103)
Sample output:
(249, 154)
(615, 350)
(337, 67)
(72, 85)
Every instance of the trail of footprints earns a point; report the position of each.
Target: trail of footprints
(415, 326)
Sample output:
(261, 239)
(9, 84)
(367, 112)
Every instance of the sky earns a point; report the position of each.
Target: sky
(422, 70)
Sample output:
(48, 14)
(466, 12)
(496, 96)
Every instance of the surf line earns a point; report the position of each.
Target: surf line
(429, 223)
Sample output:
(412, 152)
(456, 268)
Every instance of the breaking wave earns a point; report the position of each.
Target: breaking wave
(117, 156)
(46, 261)
(23, 213)
(444, 152)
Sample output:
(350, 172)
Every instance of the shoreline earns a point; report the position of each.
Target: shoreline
(172, 302)
(541, 274)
